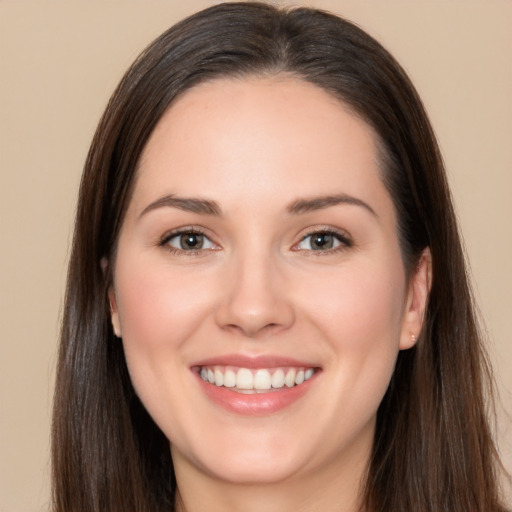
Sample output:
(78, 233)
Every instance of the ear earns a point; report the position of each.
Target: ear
(416, 301)
(114, 314)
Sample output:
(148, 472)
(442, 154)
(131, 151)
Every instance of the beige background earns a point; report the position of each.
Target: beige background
(59, 62)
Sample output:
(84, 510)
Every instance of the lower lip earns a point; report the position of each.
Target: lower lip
(256, 404)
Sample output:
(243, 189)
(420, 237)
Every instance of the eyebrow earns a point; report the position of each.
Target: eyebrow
(188, 204)
(208, 207)
(321, 202)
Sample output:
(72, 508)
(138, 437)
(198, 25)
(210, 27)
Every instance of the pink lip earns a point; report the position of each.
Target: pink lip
(253, 362)
(257, 404)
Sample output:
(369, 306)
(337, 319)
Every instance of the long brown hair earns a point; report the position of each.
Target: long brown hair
(433, 449)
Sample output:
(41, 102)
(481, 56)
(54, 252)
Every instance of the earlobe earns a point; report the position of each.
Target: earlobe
(417, 299)
(114, 314)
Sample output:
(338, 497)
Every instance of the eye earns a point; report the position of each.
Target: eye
(189, 241)
(323, 241)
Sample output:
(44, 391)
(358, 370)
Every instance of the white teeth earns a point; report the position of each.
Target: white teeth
(262, 380)
(289, 380)
(278, 379)
(255, 381)
(219, 377)
(244, 379)
(230, 379)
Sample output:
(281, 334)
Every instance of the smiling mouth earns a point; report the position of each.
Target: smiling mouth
(253, 381)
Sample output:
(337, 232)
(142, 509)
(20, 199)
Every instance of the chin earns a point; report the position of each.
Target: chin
(245, 471)
(255, 459)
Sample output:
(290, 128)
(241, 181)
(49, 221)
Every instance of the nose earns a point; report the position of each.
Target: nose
(255, 300)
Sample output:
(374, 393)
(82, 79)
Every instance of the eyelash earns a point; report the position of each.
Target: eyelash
(164, 241)
(345, 242)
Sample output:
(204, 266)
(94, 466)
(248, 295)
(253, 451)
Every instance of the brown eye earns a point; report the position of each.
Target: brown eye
(190, 241)
(323, 241)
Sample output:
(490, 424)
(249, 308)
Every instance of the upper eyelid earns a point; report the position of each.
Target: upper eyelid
(342, 234)
(183, 230)
(345, 239)
(326, 229)
(164, 242)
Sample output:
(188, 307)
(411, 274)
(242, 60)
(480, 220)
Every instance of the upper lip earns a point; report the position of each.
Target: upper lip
(253, 362)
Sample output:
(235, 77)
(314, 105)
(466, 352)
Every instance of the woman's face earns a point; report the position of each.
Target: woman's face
(260, 249)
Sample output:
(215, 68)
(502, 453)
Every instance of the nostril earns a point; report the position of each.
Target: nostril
(254, 304)
(254, 331)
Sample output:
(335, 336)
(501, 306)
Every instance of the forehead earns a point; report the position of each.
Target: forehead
(242, 138)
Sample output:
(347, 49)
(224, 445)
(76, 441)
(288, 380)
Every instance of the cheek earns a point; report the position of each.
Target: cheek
(361, 319)
(158, 310)
(159, 307)
(362, 322)
(358, 305)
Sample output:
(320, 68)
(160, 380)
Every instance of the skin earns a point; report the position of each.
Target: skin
(257, 287)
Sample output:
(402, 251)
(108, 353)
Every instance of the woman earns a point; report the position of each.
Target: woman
(267, 302)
